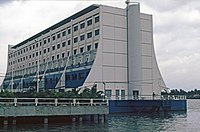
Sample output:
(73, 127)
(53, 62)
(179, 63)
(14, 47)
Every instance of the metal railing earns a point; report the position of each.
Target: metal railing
(51, 102)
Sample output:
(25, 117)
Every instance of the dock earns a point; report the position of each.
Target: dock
(12, 109)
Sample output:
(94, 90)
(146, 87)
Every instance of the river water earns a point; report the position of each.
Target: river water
(181, 122)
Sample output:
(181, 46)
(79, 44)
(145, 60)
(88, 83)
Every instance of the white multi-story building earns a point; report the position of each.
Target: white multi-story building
(107, 46)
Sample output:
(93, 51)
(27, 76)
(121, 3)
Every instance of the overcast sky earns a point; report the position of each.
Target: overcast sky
(176, 31)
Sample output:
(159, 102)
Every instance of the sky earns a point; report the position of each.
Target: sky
(176, 31)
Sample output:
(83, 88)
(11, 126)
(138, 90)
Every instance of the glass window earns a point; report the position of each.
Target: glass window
(88, 47)
(96, 32)
(96, 45)
(52, 58)
(68, 42)
(58, 46)
(96, 19)
(81, 49)
(117, 93)
(82, 37)
(44, 51)
(58, 36)
(75, 51)
(63, 44)
(122, 94)
(82, 25)
(108, 93)
(33, 47)
(45, 41)
(89, 35)
(48, 49)
(75, 39)
(53, 38)
(89, 22)
(69, 31)
(64, 33)
(57, 57)
(75, 28)
(63, 55)
(53, 47)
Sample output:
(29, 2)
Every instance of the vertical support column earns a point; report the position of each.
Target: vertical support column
(134, 49)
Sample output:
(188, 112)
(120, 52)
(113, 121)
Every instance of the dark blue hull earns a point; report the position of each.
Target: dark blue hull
(146, 106)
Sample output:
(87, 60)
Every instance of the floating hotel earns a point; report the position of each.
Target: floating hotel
(107, 47)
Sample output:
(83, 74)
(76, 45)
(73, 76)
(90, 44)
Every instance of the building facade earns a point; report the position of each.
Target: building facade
(109, 47)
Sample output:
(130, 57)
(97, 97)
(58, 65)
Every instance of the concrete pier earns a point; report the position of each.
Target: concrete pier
(43, 110)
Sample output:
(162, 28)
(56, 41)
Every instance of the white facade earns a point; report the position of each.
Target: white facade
(124, 64)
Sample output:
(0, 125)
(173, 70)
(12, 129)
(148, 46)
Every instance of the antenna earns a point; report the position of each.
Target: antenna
(127, 2)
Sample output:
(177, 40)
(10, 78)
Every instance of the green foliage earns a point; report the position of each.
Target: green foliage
(193, 94)
(74, 93)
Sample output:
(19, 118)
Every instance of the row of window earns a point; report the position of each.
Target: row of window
(75, 51)
(82, 37)
(58, 36)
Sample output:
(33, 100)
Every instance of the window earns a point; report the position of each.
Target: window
(82, 25)
(96, 32)
(81, 49)
(29, 57)
(96, 45)
(68, 53)
(63, 55)
(122, 94)
(68, 77)
(29, 49)
(68, 42)
(36, 53)
(48, 49)
(89, 35)
(53, 47)
(74, 76)
(45, 41)
(36, 46)
(52, 58)
(96, 19)
(44, 51)
(75, 51)
(48, 40)
(64, 33)
(58, 46)
(88, 47)
(33, 55)
(82, 37)
(44, 60)
(33, 47)
(81, 75)
(53, 38)
(40, 52)
(75, 39)
(75, 28)
(63, 44)
(117, 93)
(57, 57)
(108, 93)
(89, 22)
(58, 36)
(69, 31)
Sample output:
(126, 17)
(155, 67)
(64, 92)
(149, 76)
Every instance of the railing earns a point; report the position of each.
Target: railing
(51, 101)
(147, 97)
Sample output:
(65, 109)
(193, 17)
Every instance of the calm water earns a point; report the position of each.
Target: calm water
(181, 122)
